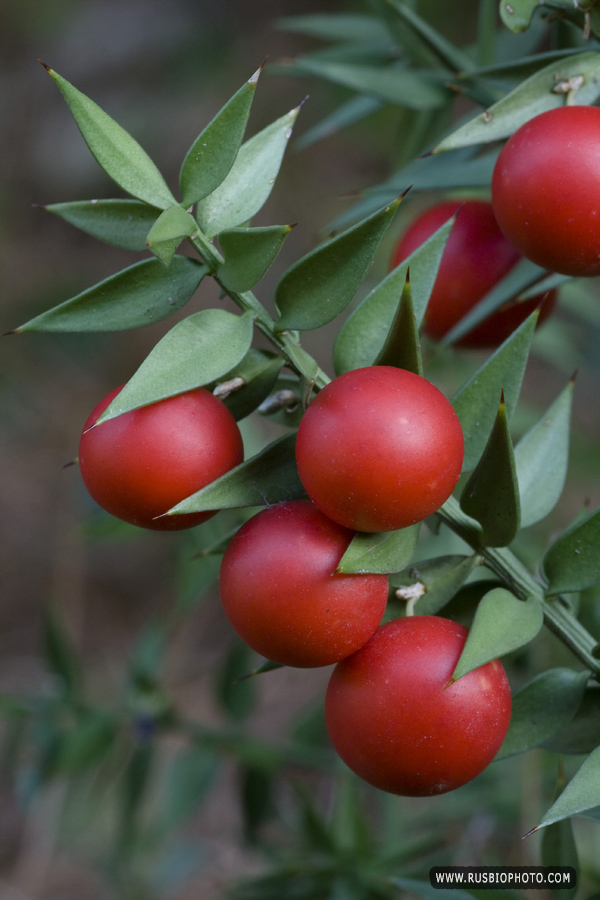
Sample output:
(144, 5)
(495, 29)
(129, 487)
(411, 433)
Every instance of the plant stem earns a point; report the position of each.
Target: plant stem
(518, 579)
(500, 560)
(286, 342)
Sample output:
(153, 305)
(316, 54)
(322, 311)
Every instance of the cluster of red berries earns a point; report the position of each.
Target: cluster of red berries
(378, 449)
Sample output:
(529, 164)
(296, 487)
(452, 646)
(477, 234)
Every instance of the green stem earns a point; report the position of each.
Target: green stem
(286, 342)
(518, 579)
(501, 561)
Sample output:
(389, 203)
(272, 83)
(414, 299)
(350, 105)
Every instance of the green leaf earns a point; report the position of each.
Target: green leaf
(432, 583)
(581, 793)
(135, 782)
(171, 227)
(249, 253)
(535, 95)
(122, 223)
(516, 282)
(380, 553)
(396, 84)
(268, 477)
(115, 150)
(187, 783)
(582, 734)
(139, 295)
(354, 110)
(501, 624)
(559, 849)
(147, 655)
(402, 347)
(87, 744)
(363, 334)
(244, 388)
(336, 27)
(517, 16)
(195, 352)
(541, 458)
(213, 153)
(457, 170)
(444, 50)
(246, 188)
(491, 495)
(319, 286)
(573, 563)
(235, 692)
(60, 653)
(542, 708)
(476, 403)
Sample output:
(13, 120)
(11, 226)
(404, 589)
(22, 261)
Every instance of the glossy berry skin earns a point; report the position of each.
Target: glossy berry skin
(139, 465)
(379, 448)
(546, 190)
(281, 593)
(476, 257)
(396, 721)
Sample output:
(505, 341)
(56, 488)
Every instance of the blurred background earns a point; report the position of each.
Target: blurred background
(163, 69)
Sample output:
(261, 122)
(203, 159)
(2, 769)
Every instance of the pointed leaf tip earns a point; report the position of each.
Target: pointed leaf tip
(253, 80)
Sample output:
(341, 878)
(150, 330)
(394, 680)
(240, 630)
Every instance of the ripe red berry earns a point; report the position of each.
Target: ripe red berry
(139, 465)
(379, 448)
(281, 593)
(476, 257)
(397, 722)
(546, 190)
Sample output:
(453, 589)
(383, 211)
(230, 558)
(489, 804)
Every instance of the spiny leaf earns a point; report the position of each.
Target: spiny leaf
(581, 794)
(267, 478)
(122, 223)
(250, 180)
(501, 624)
(249, 253)
(559, 849)
(318, 287)
(491, 495)
(541, 458)
(476, 403)
(445, 52)
(456, 170)
(116, 151)
(380, 553)
(336, 27)
(198, 350)
(532, 97)
(213, 153)
(402, 347)
(139, 295)
(543, 707)
(354, 110)
(515, 283)
(582, 733)
(573, 563)
(166, 234)
(364, 332)
(396, 84)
